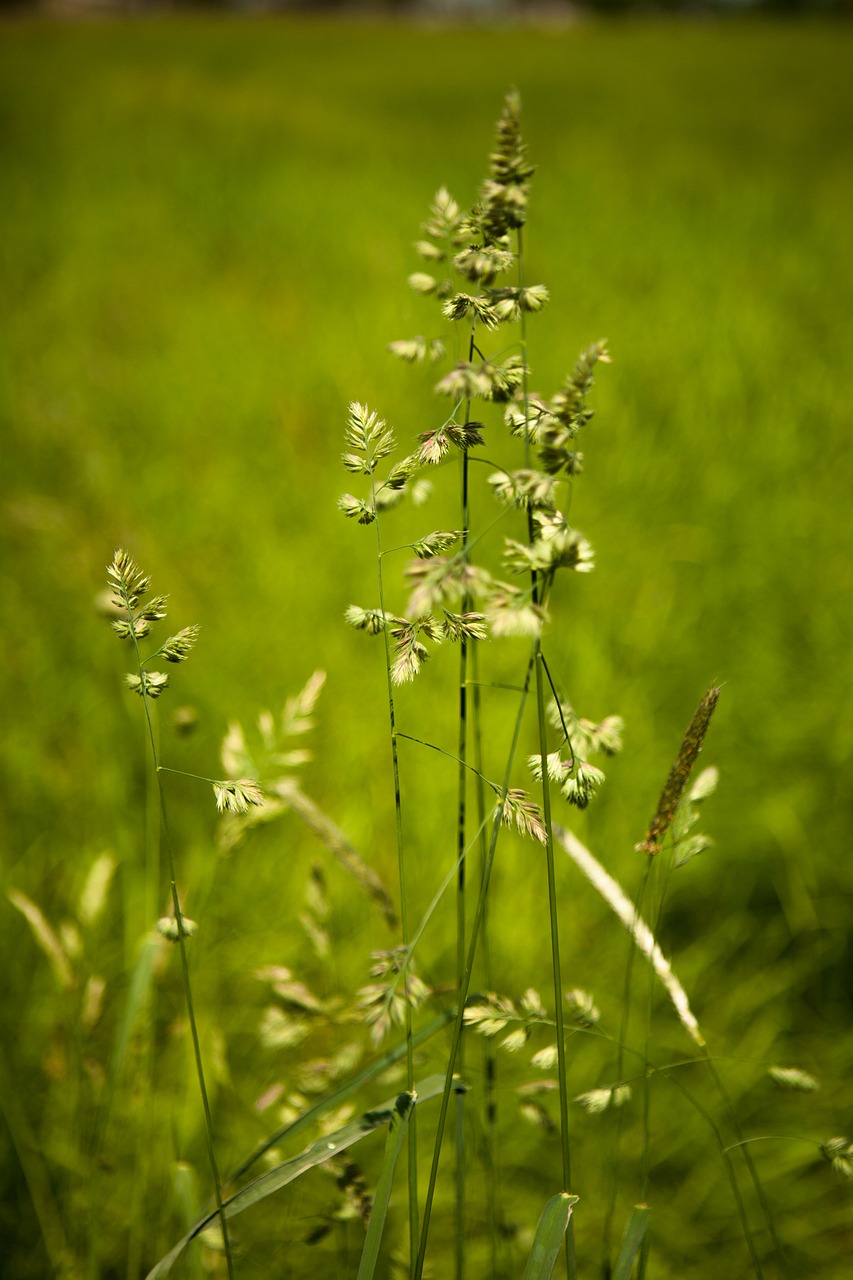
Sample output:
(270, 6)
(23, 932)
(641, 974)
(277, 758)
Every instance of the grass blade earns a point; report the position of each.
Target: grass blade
(396, 1133)
(290, 1170)
(616, 898)
(344, 1091)
(45, 937)
(549, 1237)
(632, 1241)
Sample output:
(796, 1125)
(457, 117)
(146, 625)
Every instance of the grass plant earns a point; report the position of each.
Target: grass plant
(325, 973)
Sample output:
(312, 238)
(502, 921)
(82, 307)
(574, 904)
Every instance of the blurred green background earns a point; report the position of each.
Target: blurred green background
(205, 231)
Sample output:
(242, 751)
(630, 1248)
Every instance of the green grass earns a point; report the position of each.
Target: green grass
(204, 237)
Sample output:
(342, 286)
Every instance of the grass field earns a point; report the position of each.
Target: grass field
(205, 231)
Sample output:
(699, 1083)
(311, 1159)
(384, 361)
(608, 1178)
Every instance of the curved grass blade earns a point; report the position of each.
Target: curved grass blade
(396, 1134)
(344, 1091)
(320, 1151)
(616, 898)
(632, 1241)
(550, 1233)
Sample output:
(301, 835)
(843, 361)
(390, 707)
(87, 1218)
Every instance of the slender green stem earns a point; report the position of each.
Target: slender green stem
(412, 1148)
(556, 968)
(459, 1240)
(421, 742)
(555, 934)
(493, 1214)
(462, 793)
(537, 593)
(185, 970)
(441, 890)
(646, 1154)
(733, 1182)
(750, 1163)
(775, 1137)
(476, 925)
(182, 773)
(559, 706)
(494, 684)
(725, 1098)
(607, 1232)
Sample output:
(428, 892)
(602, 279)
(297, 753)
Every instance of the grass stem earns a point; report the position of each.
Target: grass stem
(412, 1148)
(476, 925)
(185, 969)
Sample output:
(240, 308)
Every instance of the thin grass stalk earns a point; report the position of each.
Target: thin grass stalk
(645, 1157)
(555, 956)
(644, 939)
(749, 1162)
(610, 1213)
(476, 925)
(645, 1150)
(556, 970)
(151, 884)
(412, 1148)
(647, 1086)
(492, 1169)
(142, 1162)
(459, 1249)
(730, 1170)
(645, 1160)
(185, 969)
(731, 1114)
(459, 1241)
(151, 892)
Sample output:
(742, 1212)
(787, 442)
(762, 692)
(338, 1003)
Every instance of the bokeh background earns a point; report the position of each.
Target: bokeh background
(205, 231)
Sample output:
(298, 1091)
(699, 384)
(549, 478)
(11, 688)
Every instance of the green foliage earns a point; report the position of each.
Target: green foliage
(187, 207)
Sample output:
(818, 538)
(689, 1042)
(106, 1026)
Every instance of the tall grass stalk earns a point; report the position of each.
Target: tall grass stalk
(480, 246)
(645, 941)
(461, 839)
(411, 1127)
(492, 1183)
(462, 997)
(129, 586)
(537, 592)
(671, 804)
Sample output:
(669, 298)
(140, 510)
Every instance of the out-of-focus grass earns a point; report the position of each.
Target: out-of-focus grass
(204, 236)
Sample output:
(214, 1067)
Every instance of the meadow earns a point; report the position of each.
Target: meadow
(205, 233)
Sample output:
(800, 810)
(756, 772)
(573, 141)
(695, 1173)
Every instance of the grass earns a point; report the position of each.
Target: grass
(205, 233)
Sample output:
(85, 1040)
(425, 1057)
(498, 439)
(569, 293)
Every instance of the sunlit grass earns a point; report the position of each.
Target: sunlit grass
(203, 237)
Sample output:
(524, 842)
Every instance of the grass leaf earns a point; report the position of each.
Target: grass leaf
(616, 898)
(288, 1171)
(549, 1236)
(632, 1241)
(396, 1133)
